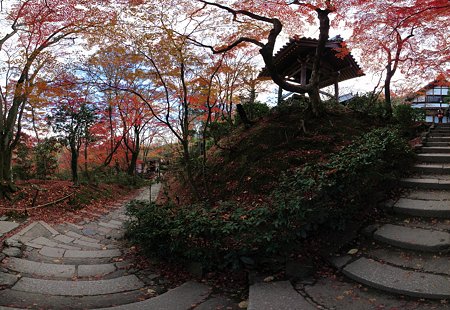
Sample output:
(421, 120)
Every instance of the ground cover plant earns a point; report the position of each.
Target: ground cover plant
(327, 178)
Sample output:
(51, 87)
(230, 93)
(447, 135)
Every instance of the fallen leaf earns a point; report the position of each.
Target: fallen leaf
(352, 251)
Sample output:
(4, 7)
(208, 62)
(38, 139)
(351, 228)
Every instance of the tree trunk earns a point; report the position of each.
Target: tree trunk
(74, 164)
(5, 160)
(315, 103)
(132, 166)
(387, 92)
(188, 168)
(134, 152)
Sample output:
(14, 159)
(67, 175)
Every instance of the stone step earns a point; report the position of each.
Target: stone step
(432, 168)
(417, 239)
(437, 134)
(83, 254)
(427, 195)
(7, 226)
(433, 158)
(423, 262)
(437, 144)
(424, 208)
(426, 182)
(47, 270)
(439, 139)
(398, 280)
(183, 297)
(435, 149)
(25, 300)
(78, 288)
(276, 295)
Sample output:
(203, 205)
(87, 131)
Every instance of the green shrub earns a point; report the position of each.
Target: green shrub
(254, 111)
(219, 129)
(316, 196)
(406, 116)
(368, 105)
(23, 167)
(46, 156)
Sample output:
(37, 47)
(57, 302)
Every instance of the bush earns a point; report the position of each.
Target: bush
(369, 106)
(320, 195)
(23, 168)
(254, 111)
(46, 156)
(406, 116)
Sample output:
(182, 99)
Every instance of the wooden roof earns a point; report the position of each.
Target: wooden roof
(289, 58)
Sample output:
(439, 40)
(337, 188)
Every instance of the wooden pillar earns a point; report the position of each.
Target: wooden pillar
(280, 95)
(336, 90)
(303, 74)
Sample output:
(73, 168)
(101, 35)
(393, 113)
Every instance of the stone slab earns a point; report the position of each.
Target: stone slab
(413, 238)
(27, 300)
(399, 281)
(33, 245)
(68, 247)
(426, 208)
(434, 158)
(428, 195)
(64, 239)
(91, 240)
(33, 231)
(88, 244)
(433, 263)
(78, 288)
(104, 230)
(89, 231)
(74, 226)
(49, 228)
(12, 242)
(7, 226)
(95, 270)
(426, 183)
(7, 279)
(180, 298)
(40, 269)
(435, 149)
(92, 254)
(12, 252)
(109, 225)
(218, 302)
(333, 293)
(52, 252)
(277, 296)
(74, 235)
(45, 242)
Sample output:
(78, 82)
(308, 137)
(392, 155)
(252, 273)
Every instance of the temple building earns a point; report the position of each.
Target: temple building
(295, 59)
(431, 98)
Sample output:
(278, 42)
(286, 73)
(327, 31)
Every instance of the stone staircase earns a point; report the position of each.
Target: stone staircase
(85, 266)
(408, 254)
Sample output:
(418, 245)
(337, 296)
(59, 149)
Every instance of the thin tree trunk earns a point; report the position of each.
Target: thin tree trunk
(74, 164)
(387, 92)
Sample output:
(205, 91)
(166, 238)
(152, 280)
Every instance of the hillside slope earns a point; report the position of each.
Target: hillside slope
(251, 161)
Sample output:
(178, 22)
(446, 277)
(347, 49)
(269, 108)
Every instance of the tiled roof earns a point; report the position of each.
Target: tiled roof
(286, 59)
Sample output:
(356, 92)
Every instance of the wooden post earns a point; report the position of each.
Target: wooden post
(280, 95)
(336, 91)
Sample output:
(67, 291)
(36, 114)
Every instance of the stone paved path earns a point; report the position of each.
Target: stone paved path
(81, 266)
